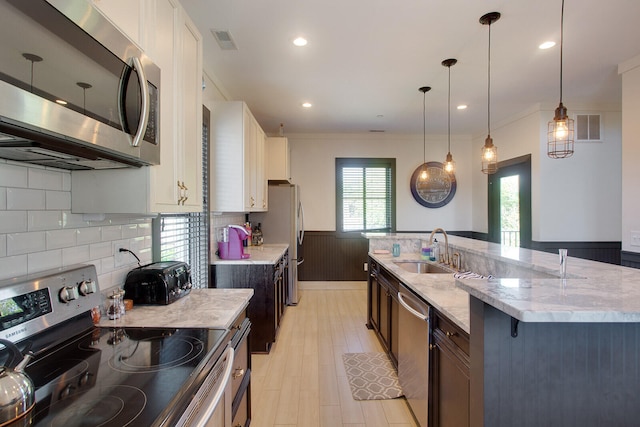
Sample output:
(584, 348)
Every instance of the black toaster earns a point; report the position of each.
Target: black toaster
(158, 283)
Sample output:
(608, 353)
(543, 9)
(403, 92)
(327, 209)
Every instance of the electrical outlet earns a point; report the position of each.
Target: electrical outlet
(366, 266)
(120, 259)
(635, 238)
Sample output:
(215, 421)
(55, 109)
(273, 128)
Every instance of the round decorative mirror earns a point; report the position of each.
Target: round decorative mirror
(437, 189)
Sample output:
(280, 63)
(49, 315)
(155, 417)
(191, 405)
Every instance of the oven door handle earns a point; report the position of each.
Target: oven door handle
(216, 397)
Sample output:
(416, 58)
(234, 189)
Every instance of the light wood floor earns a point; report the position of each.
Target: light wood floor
(302, 381)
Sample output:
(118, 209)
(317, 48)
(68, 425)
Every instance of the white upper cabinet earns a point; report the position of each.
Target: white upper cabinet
(172, 41)
(277, 154)
(238, 169)
(125, 14)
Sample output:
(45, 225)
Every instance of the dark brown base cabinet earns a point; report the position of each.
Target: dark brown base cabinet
(449, 363)
(383, 308)
(450, 374)
(267, 306)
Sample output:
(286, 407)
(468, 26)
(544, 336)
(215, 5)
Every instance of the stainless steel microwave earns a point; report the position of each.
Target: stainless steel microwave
(75, 93)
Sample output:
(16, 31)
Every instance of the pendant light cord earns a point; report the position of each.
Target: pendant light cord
(424, 127)
(561, 46)
(449, 112)
(489, 84)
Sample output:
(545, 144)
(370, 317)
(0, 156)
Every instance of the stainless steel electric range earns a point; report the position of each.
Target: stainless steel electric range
(89, 376)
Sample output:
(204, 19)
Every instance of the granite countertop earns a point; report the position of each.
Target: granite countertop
(438, 290)
(593, 291)
(202, 308)
(263, 254)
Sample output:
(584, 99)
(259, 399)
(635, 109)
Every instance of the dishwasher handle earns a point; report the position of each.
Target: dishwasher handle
(411, 310)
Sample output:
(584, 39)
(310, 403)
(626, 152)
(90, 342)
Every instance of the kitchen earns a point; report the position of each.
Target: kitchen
(39, 229)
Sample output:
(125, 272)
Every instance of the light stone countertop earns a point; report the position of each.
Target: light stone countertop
(202, 308)
(263, 254)
(593, 291)
(438, 290)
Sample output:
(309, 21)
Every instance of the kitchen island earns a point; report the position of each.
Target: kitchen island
(543, 351)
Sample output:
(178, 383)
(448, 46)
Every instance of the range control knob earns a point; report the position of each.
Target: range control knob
(86, 287)
(68, 293)
(84, 379)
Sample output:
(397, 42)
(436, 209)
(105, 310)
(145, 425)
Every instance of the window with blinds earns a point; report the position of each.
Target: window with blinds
(365, 194)
(185, 237)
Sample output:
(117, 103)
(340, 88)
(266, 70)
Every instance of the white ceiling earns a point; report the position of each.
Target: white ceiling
(366, 59)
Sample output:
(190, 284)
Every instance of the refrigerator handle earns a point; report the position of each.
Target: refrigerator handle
(301, 215)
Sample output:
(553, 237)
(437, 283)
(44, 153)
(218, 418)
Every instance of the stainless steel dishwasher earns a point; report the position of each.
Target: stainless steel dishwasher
(413, 354)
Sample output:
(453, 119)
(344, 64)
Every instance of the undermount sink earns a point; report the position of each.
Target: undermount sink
(421, 267)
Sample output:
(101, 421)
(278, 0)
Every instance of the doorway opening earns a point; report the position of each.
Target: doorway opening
(510, 203)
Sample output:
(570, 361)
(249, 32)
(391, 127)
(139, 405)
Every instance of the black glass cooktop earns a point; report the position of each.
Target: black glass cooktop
(122, 376)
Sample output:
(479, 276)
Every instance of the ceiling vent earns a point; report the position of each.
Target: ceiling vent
(588, 127)
(224, 39)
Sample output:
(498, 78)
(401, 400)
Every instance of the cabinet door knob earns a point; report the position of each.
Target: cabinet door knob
(432, 347)
(238, 373)
(451, 334)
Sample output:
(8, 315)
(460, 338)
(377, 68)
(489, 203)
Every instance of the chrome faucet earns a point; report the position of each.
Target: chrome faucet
(446, 243)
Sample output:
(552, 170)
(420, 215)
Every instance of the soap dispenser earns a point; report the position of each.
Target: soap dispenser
(435, 250)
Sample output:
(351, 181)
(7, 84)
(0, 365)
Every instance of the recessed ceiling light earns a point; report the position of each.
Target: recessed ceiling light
(307, 104)
(462, 107)
(61, 101)
(547, 45)
(300, 41)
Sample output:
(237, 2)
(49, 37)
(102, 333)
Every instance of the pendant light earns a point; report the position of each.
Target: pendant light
(449, 164)
(423, 173)
(84, 87)
(33, 59)
(560, 131)
(489, 151)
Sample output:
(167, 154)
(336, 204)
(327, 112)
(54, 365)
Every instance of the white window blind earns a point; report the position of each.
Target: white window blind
(185, 237)
(365, 199)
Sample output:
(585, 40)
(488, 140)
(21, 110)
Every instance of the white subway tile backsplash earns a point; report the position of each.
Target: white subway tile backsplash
(44, 220)
(13, 175)
(111, 232)
(75, 255)
(137, 244)
(108, 264)
(100, 250)
(66, 181)
(88, 235)
(13, 266)
(25, 198)
(38, 231)
(70, 220)
(57, 239)
(45, 179)
(23, 243)
(13, 221)
(129, 230)
(58, 200)
(39, 261)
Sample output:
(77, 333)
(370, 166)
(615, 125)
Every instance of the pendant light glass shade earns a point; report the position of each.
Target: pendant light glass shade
(424, 176)
(449, 164)
(560, 130)
(489, 151)
(489, 157)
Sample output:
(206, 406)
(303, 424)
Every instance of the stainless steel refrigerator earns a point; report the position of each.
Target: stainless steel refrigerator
(284, 223)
